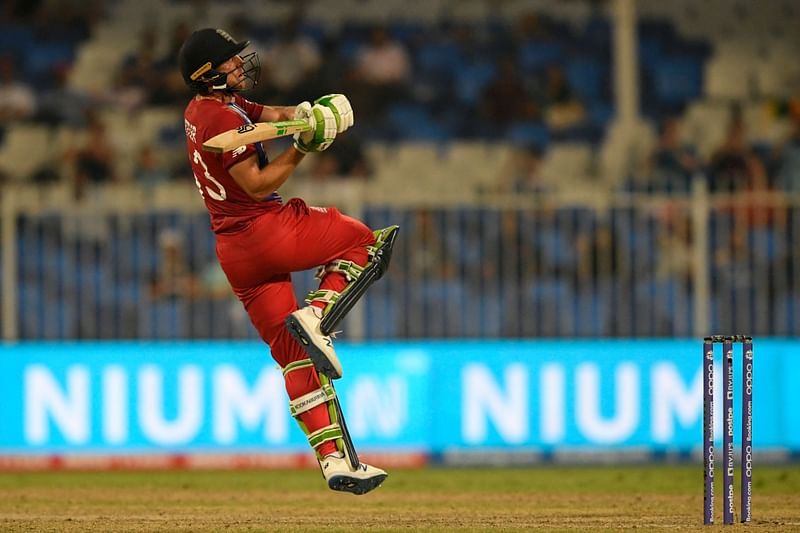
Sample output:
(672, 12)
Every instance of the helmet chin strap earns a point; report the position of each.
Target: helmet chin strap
(248, 67)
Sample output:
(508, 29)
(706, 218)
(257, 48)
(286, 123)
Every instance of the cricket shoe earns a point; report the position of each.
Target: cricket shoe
(337, 473)
(304, 324)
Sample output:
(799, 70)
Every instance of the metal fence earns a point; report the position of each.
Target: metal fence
(113, 267)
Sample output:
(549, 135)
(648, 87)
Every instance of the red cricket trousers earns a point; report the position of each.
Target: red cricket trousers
(258, 261)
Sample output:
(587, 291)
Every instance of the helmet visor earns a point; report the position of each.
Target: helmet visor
(251, 73)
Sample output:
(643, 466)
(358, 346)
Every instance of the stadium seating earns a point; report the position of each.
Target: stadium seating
(435, 152)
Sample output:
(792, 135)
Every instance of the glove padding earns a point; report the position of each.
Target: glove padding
(323, 128)
(340, 105)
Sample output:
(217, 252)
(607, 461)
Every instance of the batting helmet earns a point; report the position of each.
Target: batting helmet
(204, 51)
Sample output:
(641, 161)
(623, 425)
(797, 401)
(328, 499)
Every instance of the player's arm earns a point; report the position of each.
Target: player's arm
(276, 113)
(337, 103)
(259, 183)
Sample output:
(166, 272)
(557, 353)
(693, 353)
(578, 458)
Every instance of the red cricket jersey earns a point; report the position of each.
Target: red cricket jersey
(227, 203)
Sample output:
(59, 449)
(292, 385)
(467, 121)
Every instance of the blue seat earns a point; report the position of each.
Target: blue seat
(678, 80)
(663, 308)
(471, 80)
(31, 301)
(557, 252)
(592, 312)
(381, 313)
(15, 39)
(536, 55)
(587, 79)
(443, 302)
(651, 49)
(765, 243)
(315, 32)
(41, 58)
(409, 121)
(550, 304)
(438, 58)
(529, 134)
(786, 314)
(165, 319)
(406, 32)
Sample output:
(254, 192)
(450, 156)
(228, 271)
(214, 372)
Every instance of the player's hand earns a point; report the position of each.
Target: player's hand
(340, 105)
(323, 128)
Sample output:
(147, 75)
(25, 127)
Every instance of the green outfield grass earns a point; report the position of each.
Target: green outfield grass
(650, 498)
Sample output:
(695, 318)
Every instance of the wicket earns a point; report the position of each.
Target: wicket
(727, 420)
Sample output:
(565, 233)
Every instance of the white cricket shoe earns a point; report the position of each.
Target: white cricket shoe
(304, 325)
(337, 473)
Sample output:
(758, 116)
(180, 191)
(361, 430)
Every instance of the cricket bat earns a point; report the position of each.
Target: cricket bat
(250, 133)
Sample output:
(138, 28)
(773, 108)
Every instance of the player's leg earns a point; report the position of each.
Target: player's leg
(312, 397)
(352, 258)
(343, 282)
(358, 278)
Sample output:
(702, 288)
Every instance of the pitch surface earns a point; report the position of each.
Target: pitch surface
(652, 498)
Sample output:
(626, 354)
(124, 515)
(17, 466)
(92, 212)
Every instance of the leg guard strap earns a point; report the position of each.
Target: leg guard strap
(380, 255)
(326, 296)
(350, 269)
(311, 400)
(331, 432)
(296, 365)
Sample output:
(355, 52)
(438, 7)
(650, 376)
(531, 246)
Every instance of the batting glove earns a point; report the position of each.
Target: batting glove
(340, 105)
(323, 128)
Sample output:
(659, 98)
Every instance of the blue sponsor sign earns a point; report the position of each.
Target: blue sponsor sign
(404, 396)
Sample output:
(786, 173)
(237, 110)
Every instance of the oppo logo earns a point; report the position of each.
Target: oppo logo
(748, 375)
(748, 461)
(710, 374)
(710, 452)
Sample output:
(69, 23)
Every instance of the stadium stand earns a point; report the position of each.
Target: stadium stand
(428, 154)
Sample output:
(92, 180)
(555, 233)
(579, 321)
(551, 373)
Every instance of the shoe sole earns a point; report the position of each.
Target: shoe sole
(355, 485)
(321, 363)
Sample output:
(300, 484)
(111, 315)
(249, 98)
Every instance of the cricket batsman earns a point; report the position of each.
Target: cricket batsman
(261, 240)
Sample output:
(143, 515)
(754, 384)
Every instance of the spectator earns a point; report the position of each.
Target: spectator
(147, 170)
(94, 161)
(431, 260)
(335, 73)
(174, 277)
(522, 173)
(383, 62)
(137, 74)
(168, 87)
(561, 107)
(532, 28)
(22, 10)
(734, 166)
(672, 164)
(66, 22)
(291, 62)
(17, 99)
(179, 33)
(598, 259)
(675, 249)
(505, 99)
(345, 158)
(383, 68)
(62, 104)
